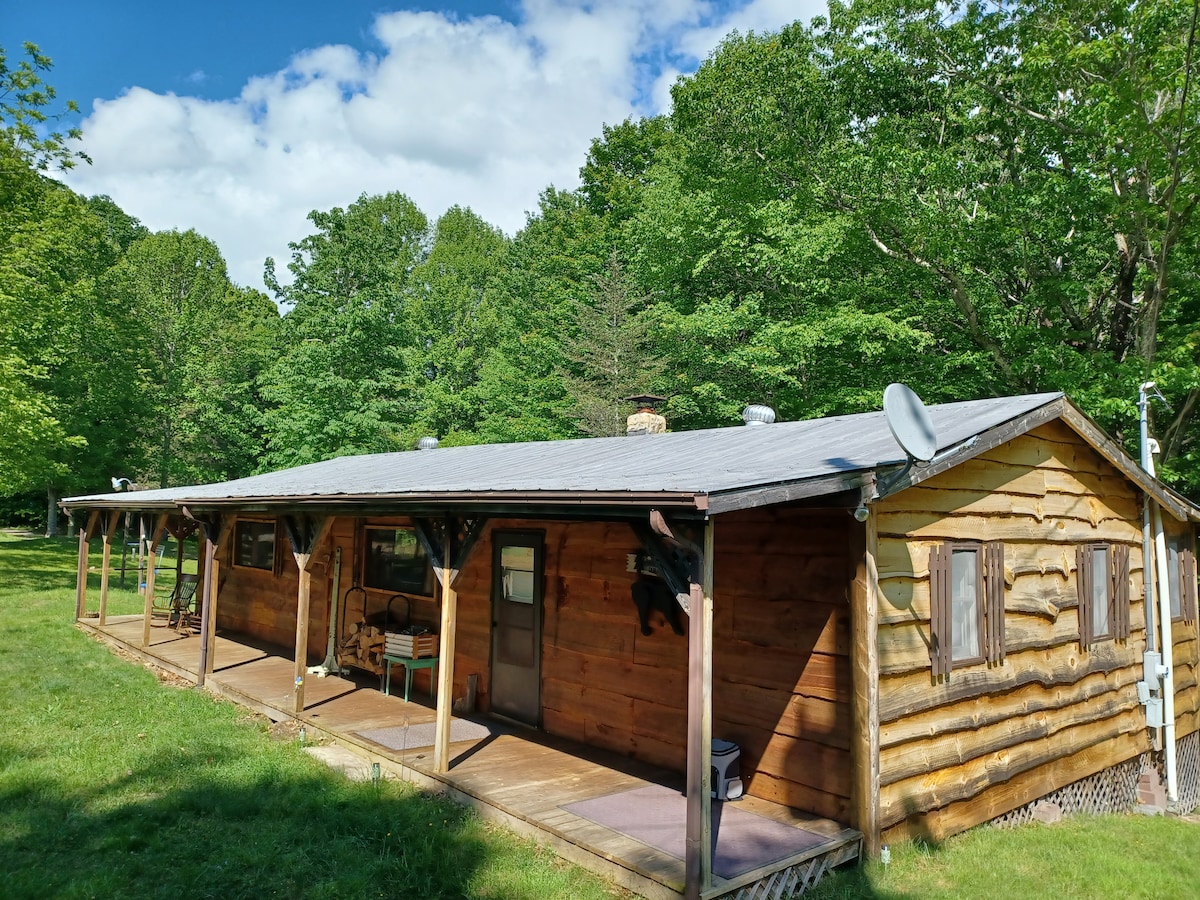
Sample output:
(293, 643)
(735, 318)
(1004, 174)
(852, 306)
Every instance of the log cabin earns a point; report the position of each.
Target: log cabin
(909, 650)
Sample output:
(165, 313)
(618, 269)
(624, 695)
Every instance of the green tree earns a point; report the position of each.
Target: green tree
(609, 354)
(339, 383)
(202, 344)
(453, 326)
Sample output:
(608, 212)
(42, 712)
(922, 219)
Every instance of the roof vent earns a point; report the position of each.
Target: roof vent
(427, 443)
(757, 414)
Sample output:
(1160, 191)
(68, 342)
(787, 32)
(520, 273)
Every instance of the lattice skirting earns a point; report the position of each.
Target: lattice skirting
(1113, 790)
(1187, 772)
(790, 882)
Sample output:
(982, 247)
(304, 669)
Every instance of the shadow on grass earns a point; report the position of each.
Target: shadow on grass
(191, 824)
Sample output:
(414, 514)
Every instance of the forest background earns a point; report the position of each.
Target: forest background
(976, 199)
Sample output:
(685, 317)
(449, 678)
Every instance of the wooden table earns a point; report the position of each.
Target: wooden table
(410, 666)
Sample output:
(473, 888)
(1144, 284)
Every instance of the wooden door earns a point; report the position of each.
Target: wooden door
(517, 589)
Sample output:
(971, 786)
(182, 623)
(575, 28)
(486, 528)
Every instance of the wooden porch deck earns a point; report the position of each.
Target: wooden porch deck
(519, 778)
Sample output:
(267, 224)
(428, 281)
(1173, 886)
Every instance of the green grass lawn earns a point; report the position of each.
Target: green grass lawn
(113, 784)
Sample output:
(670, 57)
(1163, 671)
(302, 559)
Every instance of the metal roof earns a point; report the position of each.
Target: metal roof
(693, 464)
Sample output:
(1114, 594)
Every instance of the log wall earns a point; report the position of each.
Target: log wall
(990, 739)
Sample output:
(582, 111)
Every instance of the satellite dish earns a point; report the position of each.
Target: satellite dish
(909, 422)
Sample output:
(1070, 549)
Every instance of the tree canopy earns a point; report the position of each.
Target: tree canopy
(975, 199)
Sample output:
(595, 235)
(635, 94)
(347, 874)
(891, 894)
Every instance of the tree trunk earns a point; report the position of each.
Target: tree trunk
(51, 511)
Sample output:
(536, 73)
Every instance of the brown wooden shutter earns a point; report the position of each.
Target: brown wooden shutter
(940, 630)
(1187, 585)
(1083, 588)
(993, 585)
(1118, 567)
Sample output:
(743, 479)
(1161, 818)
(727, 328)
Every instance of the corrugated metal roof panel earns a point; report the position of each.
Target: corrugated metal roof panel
(691, 462)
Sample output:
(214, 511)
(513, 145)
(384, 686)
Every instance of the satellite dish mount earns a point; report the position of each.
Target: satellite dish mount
(912, 428)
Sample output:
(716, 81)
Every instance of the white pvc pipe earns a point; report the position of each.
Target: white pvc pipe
(1164, 617)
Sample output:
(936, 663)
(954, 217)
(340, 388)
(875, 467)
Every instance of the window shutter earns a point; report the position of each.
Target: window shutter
(1083, 588)
(993, 585)
(940, 628)
(1119, 591)
(1187, 579)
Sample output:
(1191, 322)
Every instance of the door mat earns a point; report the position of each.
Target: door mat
(406, 737)
(655, 815)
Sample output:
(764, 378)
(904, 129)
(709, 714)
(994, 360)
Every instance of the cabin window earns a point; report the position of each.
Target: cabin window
(1102, 584)
(396, 561)
(1181, 579)
(966, 605)
(254, 545)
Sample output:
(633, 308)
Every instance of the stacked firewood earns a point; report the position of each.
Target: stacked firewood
(362, 647)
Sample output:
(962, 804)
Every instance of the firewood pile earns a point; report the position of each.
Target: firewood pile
(362, 647)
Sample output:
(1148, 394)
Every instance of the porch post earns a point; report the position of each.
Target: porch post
(864, 657)
(217, 553)
(448, 544)
(207, 578)
(445, 668)
(303, 545)
(698, 837)
(81, 566)
(110, 525)
(159, 525)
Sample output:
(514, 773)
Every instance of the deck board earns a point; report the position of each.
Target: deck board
(524, 777)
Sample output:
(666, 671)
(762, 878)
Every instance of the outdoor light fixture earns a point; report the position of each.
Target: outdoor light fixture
(118, 482)
(862, 513)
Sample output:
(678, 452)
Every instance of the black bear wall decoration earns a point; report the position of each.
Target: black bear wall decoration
(652, 594)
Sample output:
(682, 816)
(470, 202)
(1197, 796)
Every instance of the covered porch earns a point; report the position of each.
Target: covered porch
(613, 815)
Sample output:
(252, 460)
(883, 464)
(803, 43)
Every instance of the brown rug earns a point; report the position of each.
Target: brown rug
(655, 815)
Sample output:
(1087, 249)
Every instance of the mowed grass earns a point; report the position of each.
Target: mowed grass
(113, 784)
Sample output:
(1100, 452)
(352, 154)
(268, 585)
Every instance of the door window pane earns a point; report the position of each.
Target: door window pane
(517, 573)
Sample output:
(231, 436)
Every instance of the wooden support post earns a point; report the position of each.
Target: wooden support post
(81, 566)
(207, 590)
(445, 671)
(148, 606)
(110, 525)
(698, 836)
(448, 544)
(864, 664)
(303, 546)
(212, 586)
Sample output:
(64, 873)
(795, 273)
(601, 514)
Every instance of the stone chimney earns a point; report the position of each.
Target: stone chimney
(646, 420)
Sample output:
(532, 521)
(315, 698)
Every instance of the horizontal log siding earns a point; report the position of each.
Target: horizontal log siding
(991, 739)
(1186, 651)
(781, 667)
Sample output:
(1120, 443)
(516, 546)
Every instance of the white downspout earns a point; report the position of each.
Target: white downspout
(1162, 588)
(1168, 670)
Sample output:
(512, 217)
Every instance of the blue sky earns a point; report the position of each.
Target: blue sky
(238, 118)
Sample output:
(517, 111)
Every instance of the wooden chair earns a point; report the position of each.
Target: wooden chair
(179, 606)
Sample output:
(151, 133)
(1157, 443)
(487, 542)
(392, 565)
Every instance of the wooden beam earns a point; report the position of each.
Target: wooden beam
(160, 525)
(448, 542)
(305, 536)
(110, 525)
(445, 671)
(207, 578)
(698, 835)
(81, 566)
(864, 663)
(213, 587)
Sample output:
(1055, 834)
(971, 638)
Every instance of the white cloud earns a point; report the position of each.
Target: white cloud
(478, 111)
